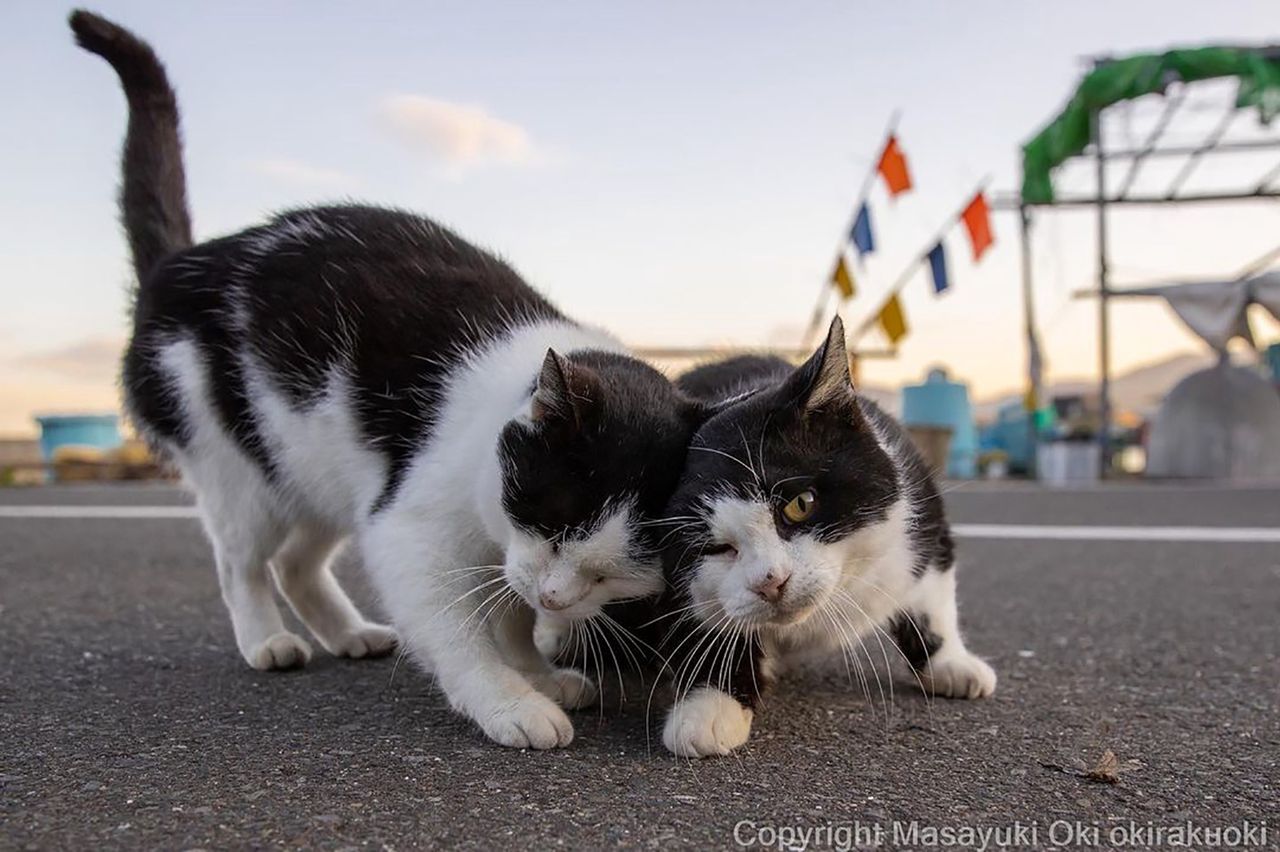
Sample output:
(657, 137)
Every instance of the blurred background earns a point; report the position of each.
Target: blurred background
(687, 175)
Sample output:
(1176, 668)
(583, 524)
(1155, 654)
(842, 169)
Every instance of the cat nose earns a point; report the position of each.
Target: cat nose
(772, 586)
(551, 601)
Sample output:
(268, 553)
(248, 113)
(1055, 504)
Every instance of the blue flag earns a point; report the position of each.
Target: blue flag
(861, 234)
(938, 266)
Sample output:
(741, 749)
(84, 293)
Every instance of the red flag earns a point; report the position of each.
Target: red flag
(893, 168)
(977, 221)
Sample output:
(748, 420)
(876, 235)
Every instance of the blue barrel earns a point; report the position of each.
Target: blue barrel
(1273, 362)
(99, 431)
(942, 402)
(1012, 433)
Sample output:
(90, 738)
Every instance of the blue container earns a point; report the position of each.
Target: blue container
(942, 402)
(1012, 433)
(100, 431)
(1273, 361)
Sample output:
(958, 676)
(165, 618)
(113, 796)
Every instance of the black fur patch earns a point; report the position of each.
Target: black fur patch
(629, 444)
(391, 297)
(918, 643)
(721, 380)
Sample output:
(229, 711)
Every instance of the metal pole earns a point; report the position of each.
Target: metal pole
(1033, 345)
(1104, 294)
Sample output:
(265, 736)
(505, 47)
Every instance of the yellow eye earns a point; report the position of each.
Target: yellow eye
(801, 507)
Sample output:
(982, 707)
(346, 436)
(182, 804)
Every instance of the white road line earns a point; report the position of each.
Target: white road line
(989, 531)
(108, 512)
(1066, 533)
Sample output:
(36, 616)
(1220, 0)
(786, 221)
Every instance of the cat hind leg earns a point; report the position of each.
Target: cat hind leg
(304, 574)
(245, 532)
(928, 633)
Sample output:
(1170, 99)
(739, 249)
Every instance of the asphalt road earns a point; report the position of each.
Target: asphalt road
(127, 720)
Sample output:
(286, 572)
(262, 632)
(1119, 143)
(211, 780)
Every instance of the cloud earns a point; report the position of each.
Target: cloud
(93, 360)
(300, 174)
(463, 137)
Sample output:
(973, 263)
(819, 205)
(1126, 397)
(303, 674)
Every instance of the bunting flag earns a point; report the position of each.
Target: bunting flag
(893, 168)
(977, 221)
(842, 279)
(863, 239)
(937, 258)
(892, 320)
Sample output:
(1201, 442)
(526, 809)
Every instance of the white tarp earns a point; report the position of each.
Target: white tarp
(1217, 311)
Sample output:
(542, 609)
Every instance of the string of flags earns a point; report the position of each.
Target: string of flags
(893, 170)
(976, 218)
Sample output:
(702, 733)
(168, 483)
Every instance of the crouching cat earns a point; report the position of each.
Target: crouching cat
(360, 371)
(805, 520)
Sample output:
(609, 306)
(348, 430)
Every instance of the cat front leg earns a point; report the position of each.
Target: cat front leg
(928, 632)
(570, 688)
(706, 722)
(442, 611)
(716, 693)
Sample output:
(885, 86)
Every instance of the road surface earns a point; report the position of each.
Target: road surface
(127, 720)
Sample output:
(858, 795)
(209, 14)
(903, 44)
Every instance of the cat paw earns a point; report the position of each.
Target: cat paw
(573, 689)
(707, 722)
(531, 721)
(282, 650)
(367, 640)
(569, 688)
(964, 676)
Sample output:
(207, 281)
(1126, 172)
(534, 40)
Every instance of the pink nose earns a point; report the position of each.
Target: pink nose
(772, 586)
(551, 602)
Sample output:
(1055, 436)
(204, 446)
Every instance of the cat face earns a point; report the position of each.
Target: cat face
(598, 452)
(784, 493)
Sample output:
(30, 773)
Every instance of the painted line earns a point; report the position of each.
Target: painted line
(107, 512)
(989, 531)
(1065, 533)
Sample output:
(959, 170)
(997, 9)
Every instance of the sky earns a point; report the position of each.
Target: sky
(680, 173)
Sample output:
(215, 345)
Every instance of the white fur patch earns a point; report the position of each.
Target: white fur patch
(575, 579)
(707, 722)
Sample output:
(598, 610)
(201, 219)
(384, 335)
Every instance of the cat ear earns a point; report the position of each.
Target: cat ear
(830, 384)
(564, 393)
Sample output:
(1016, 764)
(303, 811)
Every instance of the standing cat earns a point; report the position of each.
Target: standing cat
(805, 521)
(356, 370)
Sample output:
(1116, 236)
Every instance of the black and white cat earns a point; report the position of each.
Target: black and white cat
(805, 520)
(360, 371)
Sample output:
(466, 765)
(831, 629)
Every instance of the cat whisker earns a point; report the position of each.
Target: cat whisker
(919, 635)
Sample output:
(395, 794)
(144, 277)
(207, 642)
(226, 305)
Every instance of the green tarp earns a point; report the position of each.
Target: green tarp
(1135, 76)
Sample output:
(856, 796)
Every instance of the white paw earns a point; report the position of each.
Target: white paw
(963, 676)
(531, 721)
(367, 640)
(282, 650)
(705, 723)
(572, 689)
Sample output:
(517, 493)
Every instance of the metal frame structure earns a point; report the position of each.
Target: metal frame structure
(1104, 198)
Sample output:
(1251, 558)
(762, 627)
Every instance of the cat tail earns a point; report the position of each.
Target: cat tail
(153, 191)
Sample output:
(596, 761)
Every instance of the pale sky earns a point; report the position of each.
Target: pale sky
(679, 173)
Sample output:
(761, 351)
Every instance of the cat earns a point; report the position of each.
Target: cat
(357, 371)
(804, 521)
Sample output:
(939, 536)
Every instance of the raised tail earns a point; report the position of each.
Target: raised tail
(153, 191)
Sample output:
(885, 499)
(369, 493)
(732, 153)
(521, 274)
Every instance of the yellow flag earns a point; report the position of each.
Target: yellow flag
(842, 279)
(893, 320)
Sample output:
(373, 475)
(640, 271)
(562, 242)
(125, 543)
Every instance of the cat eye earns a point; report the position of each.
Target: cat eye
(801, 507)
(720, 549)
